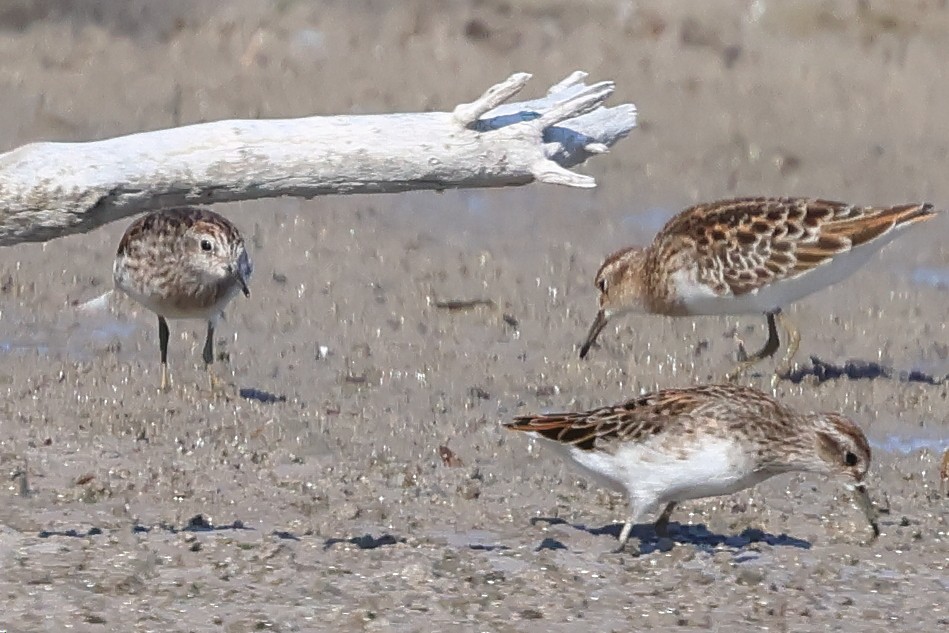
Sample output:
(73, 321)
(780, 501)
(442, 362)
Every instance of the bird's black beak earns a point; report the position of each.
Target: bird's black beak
(862, 500)
(598, 324)
(244, 270)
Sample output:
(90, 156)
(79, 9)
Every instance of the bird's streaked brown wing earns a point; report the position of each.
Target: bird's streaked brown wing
(747, 243)
(632, 421)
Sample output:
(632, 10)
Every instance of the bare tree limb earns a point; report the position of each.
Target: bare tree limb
(48, 190)
(467, 113)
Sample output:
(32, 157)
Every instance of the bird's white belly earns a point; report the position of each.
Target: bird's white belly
(711, 467)
(699, 299)
(600, 473)
(176, 309)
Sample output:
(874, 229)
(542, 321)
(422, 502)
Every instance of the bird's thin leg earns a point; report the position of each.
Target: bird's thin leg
(163, 348)
(770, 347)
(944, 472)
(794, 341)
(624, 535)
(628, 528)
(209, 356)
(662, 523)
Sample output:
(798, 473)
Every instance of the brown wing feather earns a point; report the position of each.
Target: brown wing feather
(637, 419)
(747, 243)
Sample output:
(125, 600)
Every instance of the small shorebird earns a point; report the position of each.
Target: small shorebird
(743, 256)
(184, 263)
(682, 444)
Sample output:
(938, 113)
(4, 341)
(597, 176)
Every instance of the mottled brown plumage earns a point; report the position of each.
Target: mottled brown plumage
(680, 444)
(183, 263)
(744, 256)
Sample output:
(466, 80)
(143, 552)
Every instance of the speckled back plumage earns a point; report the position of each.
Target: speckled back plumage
(670, 412)
(738, 246)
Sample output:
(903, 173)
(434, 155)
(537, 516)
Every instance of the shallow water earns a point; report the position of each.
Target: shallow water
(931, 276)
(69, 335)
(904, 445)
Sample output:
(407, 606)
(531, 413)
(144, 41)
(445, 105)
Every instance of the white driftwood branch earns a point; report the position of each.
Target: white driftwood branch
(467, 113)
(48, 190)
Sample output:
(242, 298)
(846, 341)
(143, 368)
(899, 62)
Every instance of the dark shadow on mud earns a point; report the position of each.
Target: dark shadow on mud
(261, 396)
(285, 535)
(858, 370)
(697, 535)
(550, 544)
(70, 533)
(481, 547)
(366, 541)
(197, 523)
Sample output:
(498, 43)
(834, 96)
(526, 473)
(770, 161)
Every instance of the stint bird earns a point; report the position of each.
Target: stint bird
(184, 263)
(743, 256)
(679, 444)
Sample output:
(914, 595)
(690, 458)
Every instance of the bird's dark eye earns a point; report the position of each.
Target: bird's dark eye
(206, 245)
(850, 459)
(601, 284)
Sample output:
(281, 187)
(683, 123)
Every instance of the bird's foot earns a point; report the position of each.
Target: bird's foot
(164, 385)
(219, 388)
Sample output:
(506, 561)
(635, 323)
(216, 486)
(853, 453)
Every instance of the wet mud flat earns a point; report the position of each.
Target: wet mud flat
(358, 478)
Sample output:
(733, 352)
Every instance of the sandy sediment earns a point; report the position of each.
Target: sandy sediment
(323, 498)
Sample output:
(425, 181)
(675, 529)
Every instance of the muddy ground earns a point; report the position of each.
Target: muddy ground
(317, 499)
